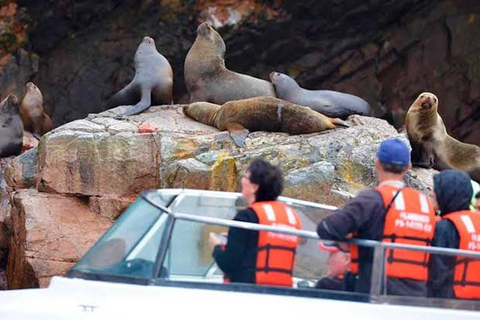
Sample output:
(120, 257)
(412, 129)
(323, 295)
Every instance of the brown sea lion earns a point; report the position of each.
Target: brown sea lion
(330, 103)
(34, 119)
(260, 114)
(431, 144)
(11, 127)
(207, 78)
(152, 84)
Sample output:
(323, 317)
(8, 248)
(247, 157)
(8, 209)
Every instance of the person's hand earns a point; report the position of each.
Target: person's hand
(213, 240)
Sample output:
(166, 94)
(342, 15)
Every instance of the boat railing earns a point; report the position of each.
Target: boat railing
(380, 248)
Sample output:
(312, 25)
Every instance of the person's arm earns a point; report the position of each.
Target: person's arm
(352, 217)
(441, 267)
(231, 258)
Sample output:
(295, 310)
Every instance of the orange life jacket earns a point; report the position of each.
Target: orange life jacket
(466, 278)
(410, 219)
(276, 251)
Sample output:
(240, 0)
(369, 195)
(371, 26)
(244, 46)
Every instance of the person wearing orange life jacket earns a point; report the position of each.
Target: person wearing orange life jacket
(260, 257)
(390, 212)
(459, 228)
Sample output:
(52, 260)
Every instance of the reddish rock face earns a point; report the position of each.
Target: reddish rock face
(50, 233)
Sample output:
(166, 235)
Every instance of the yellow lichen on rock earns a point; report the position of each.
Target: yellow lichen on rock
(224, 173)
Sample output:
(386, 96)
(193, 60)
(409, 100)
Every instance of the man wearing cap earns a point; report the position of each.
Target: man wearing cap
(338, 275)
(391, 212)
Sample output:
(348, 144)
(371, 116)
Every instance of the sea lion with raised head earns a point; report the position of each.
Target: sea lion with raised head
(260, 114)
(207, 78)
(431, 144)
(152, 84)
(330, 103)
(34, 118)
(11, 127)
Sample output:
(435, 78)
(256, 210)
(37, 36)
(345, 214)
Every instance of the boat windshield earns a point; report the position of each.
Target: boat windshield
(135, 242)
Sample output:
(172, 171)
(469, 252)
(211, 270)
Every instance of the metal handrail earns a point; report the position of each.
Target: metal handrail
(314, 235)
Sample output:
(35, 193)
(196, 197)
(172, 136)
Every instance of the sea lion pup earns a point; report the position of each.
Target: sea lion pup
(207, 78)
(34, 119)
(330, 103)
(11, 127)
(431, 144)
(260, 114)
(152, 83)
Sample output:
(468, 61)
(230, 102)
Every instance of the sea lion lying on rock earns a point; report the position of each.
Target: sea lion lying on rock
(152, 83)
(330, 103)
(207, 78)
(431, 144)
(260, 114)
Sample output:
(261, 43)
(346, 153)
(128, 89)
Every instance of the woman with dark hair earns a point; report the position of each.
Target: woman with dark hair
(260, 257)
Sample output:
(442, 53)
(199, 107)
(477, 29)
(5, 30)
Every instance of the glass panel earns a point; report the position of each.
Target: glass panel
(189, 254)
(190, 258)
(130, 246)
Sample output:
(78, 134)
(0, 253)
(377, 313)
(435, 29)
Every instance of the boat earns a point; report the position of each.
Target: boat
(155, 262)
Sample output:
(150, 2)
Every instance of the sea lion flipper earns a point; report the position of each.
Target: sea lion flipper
(340, 123)
(142, 105)
(422, 155)
(238, 133)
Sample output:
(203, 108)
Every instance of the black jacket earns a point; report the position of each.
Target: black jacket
(454, 193)
(365, 214)
(239, 258)
(344, 283)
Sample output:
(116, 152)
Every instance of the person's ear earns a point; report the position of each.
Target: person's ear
(377, 165)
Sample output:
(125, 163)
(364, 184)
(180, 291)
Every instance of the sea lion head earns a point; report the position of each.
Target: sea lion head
(10, 105)
(426, 102)
(207, 34)
(147, 46)
(282, 81)
(31, 88)
(203, 112)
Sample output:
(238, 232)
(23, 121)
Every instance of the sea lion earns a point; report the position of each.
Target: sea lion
(431, 144)
(34, 119)
(152, 83)
(330, 103)
(207, 78)
(11, 127)
(260, 114)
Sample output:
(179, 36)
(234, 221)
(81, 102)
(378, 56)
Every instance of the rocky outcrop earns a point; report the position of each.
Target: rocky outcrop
(62, 195)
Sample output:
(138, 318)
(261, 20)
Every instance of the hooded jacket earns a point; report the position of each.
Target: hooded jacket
(454, 193)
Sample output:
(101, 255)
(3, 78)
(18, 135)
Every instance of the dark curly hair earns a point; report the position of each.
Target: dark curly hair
(269, 179)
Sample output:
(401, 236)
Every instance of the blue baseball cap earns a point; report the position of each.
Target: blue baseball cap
(394, 151)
